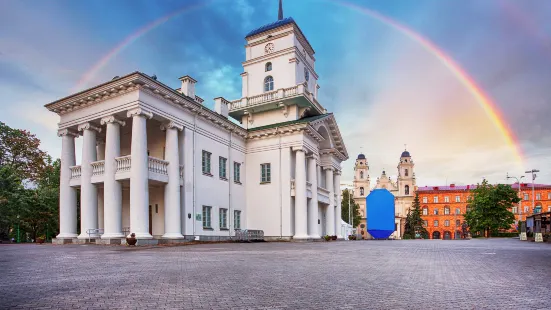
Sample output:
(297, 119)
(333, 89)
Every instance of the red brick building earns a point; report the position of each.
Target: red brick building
(443, 207)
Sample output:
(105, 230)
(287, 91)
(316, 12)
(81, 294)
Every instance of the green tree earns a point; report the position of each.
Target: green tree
(355, 208)
(20, 150)
(414, 221)
(11, 199)
(490, 208)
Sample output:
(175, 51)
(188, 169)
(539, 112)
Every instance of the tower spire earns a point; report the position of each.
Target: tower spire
(280, 12)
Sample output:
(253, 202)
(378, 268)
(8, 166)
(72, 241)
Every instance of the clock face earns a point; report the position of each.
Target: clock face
(306, 74)
(269, 48)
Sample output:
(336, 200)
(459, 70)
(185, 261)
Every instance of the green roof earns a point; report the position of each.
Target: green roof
(298, 121)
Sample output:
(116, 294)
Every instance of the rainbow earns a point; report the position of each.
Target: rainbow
(490, 108)
(93, 71)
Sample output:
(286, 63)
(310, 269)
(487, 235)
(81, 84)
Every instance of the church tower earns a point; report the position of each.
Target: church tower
(279, 81)
(406, 175)
(361, 177)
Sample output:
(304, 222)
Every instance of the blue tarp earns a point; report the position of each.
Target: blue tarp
(380, 213)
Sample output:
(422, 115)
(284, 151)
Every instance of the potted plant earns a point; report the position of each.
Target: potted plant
(334, 237)
(352, 237)
(40, 239)
(326, 237)
(132, 239)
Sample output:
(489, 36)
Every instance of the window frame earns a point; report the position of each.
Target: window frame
(236, 172)
(236, 219)
(457, 198)
(435, 223)
(206, 163)
(223, 218)
(425, 211)
(425, 200)
(435, 199)
(538, 196)
(268, 67)
(446, 198)
(222, 168)
(268, 83)
(447, 223)
(207, 217)
(265, 173)
(447, 210)
(435, 211)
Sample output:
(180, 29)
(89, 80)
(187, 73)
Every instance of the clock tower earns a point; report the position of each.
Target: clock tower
(279, 81)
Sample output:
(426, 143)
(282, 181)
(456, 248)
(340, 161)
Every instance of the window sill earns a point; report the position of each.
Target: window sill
(261, 183)
(223, 179)
(207, 228)
(237, 182)
(222, 229)
(207, 174)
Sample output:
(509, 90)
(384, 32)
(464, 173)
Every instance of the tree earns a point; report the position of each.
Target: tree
(490, 208)
(19, 149)
(414, 221)
(11, 197)
(355, 208)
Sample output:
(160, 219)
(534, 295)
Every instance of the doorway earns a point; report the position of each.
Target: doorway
(150, 221)
(436, 235)
(447, 235)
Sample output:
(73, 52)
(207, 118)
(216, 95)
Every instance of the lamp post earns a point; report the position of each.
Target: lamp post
(18, 229)
(537, 226)
(533, 172)
(519, 195)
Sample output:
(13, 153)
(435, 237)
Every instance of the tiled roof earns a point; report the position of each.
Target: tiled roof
(271, 26)
(298, 121)
(473, 186)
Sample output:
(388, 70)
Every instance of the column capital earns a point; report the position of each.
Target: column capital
(171, 125)
(100, 142)
(88, 126)
(299, 149)
(328, 168)
(67, 132)
(112, 119)
(139, 112)
(337, 172)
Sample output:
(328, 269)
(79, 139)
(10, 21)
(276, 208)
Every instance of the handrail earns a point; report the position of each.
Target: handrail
(91, 231)
(157, 165)
(98, 167)
(123, 163)
(76, 172)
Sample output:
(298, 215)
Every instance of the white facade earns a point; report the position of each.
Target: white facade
(157, 163)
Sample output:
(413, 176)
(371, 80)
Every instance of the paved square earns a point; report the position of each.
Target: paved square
(398, 274)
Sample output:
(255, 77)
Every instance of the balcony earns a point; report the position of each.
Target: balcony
(157, 170)
(297, 94)
(323, 194)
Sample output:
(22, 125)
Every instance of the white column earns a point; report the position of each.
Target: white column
(301, 213)
(173, 225)
(112, 189)
(101, 223)
(139, 175)
(313, 204)
(67, 194)
(330, 215)
(88, 191)
(189, 181)
(338, 217)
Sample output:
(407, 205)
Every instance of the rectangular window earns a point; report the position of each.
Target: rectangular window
(548, 208)
(446, 199)
(515, 209)
(435, 199)
(446, 210)
(206, 162)
(435, 211)
(265, 174)
(525, 209)
(206, 216)
(425, 200)
(236, 172)
(156, 208)
(447, 223)
(525, 196)
(538, 196)
(223, 218)
(425, 223)
(457, 223)
(548, 196)
(425, 211)
(457, 198)
(237, 219)
(457, 211)
(435, 223)
(222, 168)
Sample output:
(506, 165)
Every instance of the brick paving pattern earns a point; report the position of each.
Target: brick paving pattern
(397, 274)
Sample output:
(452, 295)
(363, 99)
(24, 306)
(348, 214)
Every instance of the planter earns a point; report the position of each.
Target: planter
(326, 238)
(39, 240)
(132, 239)
(333, 237)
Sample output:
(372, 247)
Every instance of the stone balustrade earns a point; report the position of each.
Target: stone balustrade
(123, 163)
(98, 167)
(76, 172)
(157, 165)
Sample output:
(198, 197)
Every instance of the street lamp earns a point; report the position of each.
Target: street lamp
(18, 229)
(533, 172)
(519, 195)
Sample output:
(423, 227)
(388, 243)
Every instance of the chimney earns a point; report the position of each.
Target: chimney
(188, 86)
(221, 106)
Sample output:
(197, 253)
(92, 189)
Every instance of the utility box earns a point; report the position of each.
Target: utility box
(380, 213)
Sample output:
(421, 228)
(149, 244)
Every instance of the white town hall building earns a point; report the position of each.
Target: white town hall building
(158, 163)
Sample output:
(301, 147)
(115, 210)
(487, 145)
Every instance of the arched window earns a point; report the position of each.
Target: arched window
(361, 191)
(406, 173)
(361, 174)
(406, 189)
(268, 83)
(268, 66)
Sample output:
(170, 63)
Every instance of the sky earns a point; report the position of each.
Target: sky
(385, 88)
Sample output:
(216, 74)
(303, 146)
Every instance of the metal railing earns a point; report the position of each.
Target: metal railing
(249, 235)
(96, 232)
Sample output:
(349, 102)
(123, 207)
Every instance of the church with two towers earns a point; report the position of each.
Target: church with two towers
(403, 189)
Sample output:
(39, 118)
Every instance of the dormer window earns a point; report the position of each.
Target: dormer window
(268, 67)
(268, 83)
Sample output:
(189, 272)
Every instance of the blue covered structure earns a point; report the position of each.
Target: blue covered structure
(380, 213)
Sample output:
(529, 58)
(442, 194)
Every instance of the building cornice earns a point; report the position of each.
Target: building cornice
(286, 51)
(295, 30)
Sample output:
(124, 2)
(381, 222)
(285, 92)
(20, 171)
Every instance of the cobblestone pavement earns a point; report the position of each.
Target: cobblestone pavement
(395, 274)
